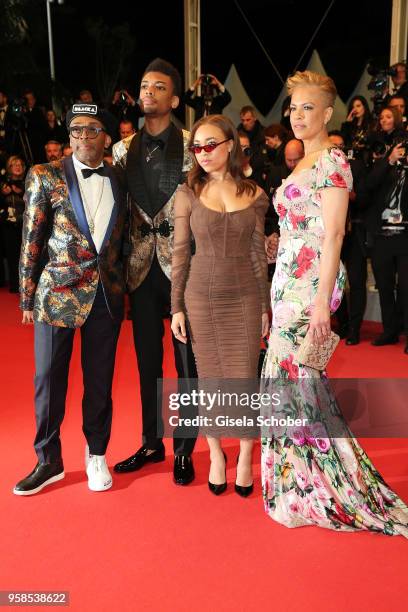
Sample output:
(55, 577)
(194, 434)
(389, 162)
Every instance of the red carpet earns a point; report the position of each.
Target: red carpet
(149, 545)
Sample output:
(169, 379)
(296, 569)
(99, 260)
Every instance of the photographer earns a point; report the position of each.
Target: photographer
(389, 130)
(125, 108)
(387, 227)
(255, 131)
(213, 99)
(11, 215)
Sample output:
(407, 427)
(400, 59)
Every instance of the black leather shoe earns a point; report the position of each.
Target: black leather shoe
(139, 459)
(243, 491)
(353, 339)
(384, 339)
(217, 489)
(42, 475)
(183, 471)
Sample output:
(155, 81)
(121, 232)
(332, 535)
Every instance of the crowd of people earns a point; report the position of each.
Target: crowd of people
(178, 221)
(29, 134)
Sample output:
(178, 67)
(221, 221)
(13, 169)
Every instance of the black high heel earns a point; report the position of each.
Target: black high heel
(243, 491)
(217, 489)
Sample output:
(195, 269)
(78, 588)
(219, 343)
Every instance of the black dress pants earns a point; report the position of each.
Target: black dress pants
(389, 258)
(149, 303)
(356, 264)
(53, 350)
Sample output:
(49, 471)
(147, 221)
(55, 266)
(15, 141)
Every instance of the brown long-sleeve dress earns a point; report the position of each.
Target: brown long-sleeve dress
(223, 288)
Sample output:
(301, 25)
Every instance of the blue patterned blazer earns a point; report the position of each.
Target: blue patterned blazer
(59, 266)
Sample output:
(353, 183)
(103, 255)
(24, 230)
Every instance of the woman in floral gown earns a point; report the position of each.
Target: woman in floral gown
(313, 476)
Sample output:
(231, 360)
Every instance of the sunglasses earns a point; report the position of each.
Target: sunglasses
(196, 149)
(92, 132)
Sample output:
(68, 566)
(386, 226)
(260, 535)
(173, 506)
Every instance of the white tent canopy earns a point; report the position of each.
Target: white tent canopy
(240, 97)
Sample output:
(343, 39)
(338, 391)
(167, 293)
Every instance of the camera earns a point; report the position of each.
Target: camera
(379, 76)
(18, 116)
(378, 147)
(18, 107)
(207, 88)
(206, 79)
(8, 182)
(122, 100)
(378, 83)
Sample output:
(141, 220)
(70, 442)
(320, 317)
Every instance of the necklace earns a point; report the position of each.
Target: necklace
(149, 155)
(90, 218)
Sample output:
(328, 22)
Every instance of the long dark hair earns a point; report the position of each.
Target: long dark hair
(367, 117)
(198, 178)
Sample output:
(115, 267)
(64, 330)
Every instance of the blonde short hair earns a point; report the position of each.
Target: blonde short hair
(325, 83)
(11, 160)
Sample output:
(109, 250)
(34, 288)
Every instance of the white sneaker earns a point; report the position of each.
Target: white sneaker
(99, 478)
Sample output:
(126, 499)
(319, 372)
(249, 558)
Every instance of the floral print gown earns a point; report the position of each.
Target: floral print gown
(308, 476)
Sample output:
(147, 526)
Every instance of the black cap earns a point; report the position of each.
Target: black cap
(96, 112)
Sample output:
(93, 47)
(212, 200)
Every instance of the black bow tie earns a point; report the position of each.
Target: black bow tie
(87, 172)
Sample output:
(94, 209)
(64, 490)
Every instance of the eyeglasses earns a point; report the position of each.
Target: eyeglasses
(208, 148)
(247, 151)
(92, 131)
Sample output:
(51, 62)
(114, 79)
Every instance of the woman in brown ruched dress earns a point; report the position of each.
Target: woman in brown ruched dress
(222, 290)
